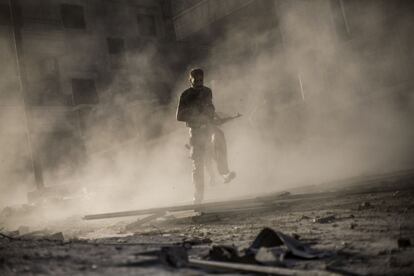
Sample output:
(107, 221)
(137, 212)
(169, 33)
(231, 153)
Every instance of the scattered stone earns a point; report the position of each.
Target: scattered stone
(23, 230)
(382, 252)
(403, 242)
(364, 205)
(13, 234)
(269, 256)
(196, 241)
(394, 194)
(353, 225)
(174, 256)
(327, 219)
(284, 194)
(224, 253)
(56, 236)
(39, 234)
(304, 217)
(206, 218)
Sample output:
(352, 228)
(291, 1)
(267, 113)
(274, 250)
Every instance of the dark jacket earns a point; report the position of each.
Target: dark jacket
(196, 106)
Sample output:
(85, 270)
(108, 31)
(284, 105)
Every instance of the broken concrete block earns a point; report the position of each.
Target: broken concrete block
(174, 256)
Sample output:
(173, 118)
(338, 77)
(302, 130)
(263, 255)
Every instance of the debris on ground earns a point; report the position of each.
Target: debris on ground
(143, 221)
(178, 257)
(364, 205)
(269, 238)
(373, 249)
(196, 241)
(206, 218)
(270, 249)
(327, 219)
(403, 242)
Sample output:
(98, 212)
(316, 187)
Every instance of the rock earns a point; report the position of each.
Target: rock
(23, 230)
(403, 242)
(364, 205)
(206, 218)
(353, 225)
(196, 241)
(13, 234)
(174, 256)
(56, 237)
(271, 256)
(327, 219)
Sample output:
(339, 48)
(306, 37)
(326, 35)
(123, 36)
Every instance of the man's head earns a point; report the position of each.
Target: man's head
(196, 77)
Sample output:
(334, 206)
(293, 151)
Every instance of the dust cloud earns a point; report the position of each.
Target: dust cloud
(315, 109)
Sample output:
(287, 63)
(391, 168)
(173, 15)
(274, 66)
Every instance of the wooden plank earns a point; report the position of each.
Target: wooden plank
(197, 207)
(257, 268)
(144, 220)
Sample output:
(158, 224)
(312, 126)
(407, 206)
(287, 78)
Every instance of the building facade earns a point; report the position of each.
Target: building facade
(63, 63)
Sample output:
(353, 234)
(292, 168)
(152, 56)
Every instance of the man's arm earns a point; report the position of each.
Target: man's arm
(183, 110)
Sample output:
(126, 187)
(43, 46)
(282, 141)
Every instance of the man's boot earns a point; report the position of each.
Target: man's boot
(229, 177)
(198, 196)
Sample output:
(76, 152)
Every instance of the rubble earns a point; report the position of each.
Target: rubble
(196, 241)
(327, 219)
(364, 205)
(242, 243)
(177, 257)
(403, 242)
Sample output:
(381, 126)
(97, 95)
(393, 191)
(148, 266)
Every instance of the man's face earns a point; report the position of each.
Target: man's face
(196, 80)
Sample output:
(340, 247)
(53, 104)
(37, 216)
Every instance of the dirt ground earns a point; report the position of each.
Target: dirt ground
(361, 234)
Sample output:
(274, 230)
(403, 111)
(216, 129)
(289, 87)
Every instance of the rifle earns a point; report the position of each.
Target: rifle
(219, 121)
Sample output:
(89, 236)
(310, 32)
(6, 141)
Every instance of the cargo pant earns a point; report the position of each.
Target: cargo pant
(206, 142)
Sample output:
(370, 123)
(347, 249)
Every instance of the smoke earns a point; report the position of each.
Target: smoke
(318, 105)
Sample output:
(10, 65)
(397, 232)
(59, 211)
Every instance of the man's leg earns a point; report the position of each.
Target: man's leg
(197, 142)
(220, 154)
(209, 160)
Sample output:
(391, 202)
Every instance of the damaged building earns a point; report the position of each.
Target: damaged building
(60, 62)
